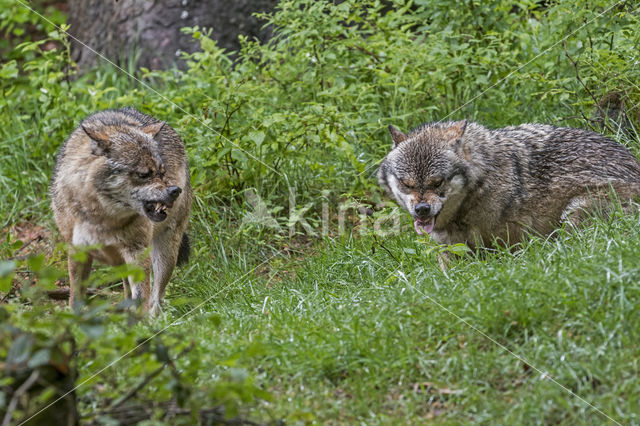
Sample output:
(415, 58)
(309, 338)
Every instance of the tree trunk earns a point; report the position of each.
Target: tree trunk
(122, 29)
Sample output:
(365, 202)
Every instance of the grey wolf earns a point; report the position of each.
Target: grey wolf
(121, 184)
(464, 183)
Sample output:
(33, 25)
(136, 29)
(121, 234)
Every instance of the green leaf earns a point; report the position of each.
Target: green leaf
(79, 255)
(40, 357)
(20, 349)
(7, 270)
(458, 249)
(35, 262)
(93, 331)
(125, 271)
(9, 70)
(257, 138)
(7, 267)
(240, 156)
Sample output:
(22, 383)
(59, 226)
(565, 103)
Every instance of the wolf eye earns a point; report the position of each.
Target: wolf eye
(436, 182)
(145, 175)
(406, 186)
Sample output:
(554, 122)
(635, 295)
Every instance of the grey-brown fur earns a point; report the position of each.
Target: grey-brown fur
(498, 184)
(122, 182)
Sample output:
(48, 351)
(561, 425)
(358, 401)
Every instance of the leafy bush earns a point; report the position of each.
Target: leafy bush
(309, 108)
(49, 356)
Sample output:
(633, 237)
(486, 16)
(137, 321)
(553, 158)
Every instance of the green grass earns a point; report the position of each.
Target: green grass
(349, 335)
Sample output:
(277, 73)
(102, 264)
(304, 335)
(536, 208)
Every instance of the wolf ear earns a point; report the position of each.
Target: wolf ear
(454, 134)
(99, 138)
(153, 129)
(455, 130)
(397, 136)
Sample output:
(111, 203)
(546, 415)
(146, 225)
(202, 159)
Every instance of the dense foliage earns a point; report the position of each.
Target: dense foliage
(321, 324)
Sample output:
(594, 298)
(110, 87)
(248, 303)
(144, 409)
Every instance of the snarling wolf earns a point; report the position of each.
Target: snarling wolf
(121, 184)
(464, 183)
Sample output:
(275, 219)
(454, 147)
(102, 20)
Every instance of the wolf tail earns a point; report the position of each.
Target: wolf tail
(184, 250)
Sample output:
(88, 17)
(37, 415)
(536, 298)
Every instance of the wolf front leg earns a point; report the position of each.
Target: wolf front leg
(140, 290)
(164, 256)
(78, 274)
(126, 286)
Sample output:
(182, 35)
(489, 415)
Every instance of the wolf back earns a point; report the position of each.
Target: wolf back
(464, 183)
(122, 183)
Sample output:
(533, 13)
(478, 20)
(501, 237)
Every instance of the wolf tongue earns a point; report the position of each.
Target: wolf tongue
(422, 229)
(428, 228)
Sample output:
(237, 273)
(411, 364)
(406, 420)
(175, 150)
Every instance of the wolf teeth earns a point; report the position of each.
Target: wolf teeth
(160, 207)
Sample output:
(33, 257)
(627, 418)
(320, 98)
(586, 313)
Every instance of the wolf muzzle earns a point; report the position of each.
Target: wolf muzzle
(424, 219)
(156, 210)
(423, 210)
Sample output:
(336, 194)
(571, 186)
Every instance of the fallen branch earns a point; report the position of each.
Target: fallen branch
(63, 293)
(36, 239)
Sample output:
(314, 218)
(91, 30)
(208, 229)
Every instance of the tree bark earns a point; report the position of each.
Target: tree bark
(150, 29)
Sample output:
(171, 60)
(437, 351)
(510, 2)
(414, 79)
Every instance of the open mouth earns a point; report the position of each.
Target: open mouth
(156, 210)
(424, 226)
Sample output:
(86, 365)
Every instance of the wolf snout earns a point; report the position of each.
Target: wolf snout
(156, 209)
(173, 192)
(423, 210)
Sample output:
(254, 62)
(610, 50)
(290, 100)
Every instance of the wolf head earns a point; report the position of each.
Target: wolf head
(133, 175)
(428, 172)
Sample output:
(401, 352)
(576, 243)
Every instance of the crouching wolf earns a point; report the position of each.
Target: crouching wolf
(464, 183)
(121, 183)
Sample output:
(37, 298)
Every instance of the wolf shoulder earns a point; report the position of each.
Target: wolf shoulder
(564, 155)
